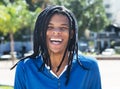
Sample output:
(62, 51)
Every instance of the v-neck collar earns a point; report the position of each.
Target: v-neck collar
(48, 67)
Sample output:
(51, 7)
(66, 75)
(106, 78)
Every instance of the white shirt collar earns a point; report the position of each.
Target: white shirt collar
(48, 67)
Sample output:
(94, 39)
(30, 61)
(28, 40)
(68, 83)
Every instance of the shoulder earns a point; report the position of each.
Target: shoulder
(88, 61)
(29, 61)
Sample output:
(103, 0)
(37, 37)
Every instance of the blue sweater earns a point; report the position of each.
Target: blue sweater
(28, 77)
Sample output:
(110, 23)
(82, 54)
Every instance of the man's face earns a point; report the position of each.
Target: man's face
(57, 34)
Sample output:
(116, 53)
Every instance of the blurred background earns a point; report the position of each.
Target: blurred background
(99, 33)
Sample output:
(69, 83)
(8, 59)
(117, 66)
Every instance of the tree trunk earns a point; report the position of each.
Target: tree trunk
(12, 47)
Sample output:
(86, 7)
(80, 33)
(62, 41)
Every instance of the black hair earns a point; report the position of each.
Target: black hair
(39, 38)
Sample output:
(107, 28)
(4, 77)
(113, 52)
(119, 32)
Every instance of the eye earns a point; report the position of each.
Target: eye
(50, 27)
(64, 28)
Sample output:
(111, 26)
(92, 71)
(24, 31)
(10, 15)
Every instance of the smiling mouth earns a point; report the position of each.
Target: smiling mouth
(55, 41)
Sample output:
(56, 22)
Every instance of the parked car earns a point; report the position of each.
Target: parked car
(108, 51)
(7, 56)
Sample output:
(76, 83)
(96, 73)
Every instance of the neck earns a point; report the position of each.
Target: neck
(55, 62)
(57, 58)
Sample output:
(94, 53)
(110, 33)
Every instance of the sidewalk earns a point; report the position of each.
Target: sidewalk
(110, 73)
(6, 75)
(109, 69)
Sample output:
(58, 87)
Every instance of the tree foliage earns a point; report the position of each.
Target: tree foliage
(15, 15)
(10, 18)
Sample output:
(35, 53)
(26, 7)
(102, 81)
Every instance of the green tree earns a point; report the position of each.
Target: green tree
(34, 4)
(10, 20)
(15, 15)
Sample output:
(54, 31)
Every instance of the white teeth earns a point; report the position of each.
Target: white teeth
(56, 41)
(52, 39)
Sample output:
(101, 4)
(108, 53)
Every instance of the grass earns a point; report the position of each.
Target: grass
(5, 87)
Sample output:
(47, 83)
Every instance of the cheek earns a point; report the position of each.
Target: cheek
(47, 34)
(67, 34)
(66, 37)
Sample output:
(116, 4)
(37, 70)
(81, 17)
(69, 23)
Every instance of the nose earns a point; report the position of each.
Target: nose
(56, 31)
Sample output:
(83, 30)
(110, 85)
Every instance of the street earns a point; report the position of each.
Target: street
(109, 69)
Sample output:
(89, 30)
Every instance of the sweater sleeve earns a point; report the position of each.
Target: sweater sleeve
(20, 81)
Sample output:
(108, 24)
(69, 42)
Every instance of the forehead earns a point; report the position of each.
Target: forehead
(59, 18)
